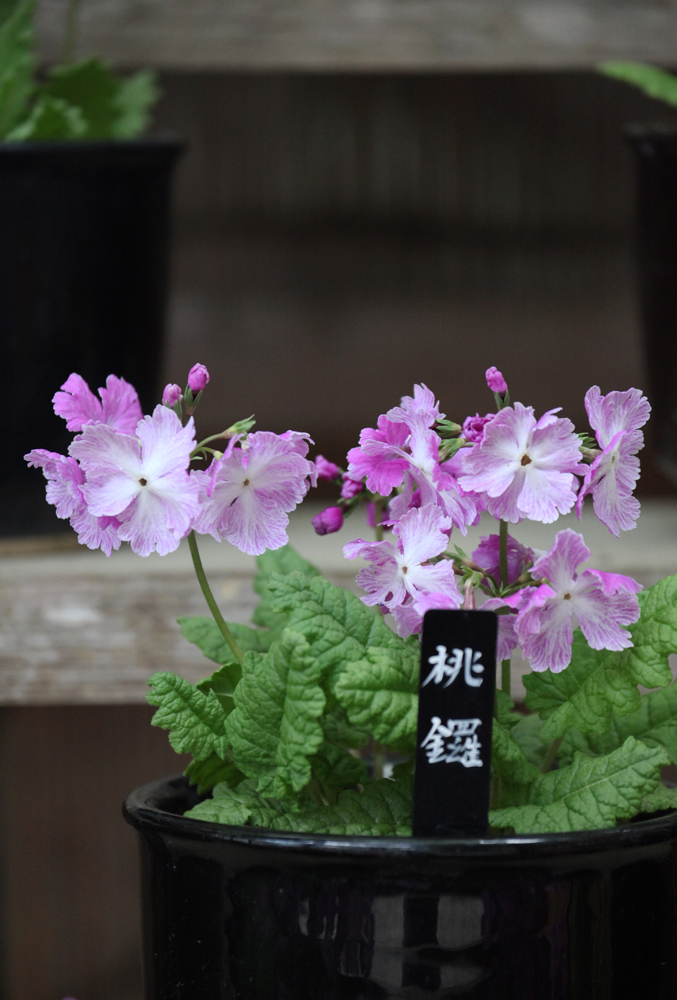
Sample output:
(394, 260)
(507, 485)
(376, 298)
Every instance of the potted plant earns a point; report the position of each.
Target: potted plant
(281, 864)
(655, 147)
(84, 240)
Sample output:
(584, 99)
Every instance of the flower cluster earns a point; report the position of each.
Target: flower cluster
(128, 477)
(425, 475)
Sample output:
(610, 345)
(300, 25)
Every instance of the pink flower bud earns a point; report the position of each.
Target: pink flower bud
(326, 470)
(171, 395)
(495, 381)
(198, 377)
(329, 521)
(351, 487)
(473, 427)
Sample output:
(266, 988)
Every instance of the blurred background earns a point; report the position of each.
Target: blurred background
(373, 193)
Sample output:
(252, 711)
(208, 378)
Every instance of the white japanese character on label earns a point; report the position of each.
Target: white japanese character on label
(455, 743)
(448, 667)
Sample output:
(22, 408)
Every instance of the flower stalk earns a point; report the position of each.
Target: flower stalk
(209, 597)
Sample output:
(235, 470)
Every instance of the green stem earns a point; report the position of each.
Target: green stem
(503, 552)
(70, 34)
(505, 677)
(379, 761)
(209, 597)
(553, 750)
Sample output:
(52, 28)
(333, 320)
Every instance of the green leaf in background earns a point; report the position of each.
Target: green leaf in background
(195, 720)
(517, 774)
(17, 64)
(338, 626)
(652, 81)
(659, 800)
(206, 635)
(591, 793)
(281, 562)
(336, 768)
(598, 684)
(223, 683)
(527, 735)
(504, 709)
(383, 809)
(274, 727)
(50, 119)
(339, 731)
(213, 771)
(111, 107)
(654, 723)
(380, 693)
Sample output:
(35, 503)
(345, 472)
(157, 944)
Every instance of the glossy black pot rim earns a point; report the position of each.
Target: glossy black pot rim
(93, 146)
(143, 810)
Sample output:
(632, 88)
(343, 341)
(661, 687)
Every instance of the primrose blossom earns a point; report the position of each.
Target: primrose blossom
(473, 427)
(495, 381)
(326, 470)
(172, 395)
(198, 378)
(616, 419)
(404, 569)
(524, 467)
(119, 407)
(487, 557)
(328, 521)
(602, 602)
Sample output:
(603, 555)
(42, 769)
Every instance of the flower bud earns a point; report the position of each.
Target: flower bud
(329, 521)
(198, 377)
(473, 427)
(172, 395)
(351, 487)
(495, 381)
(326, 470)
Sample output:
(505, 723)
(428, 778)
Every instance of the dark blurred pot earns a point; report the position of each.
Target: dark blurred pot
(656, 152)
(84, 253)
(244, 914)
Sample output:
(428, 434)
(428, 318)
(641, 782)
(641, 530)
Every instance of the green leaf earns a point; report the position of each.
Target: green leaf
(510, 765)
(223, 683)
(527, 734)
(212, 771)
(382, 809)
(17, 65)
(341, 732)
(652, 81)
(598, 683)
(338, 626)
(654, 723)
(380, 693)
(281, 562)
(659, 800)
(336, 768)
(135, 98)
(592, 793)
(274, 727)
(206, 635)
(504, 709)
(195, 720)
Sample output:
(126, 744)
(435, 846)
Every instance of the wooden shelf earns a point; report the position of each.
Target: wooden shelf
(367, 34)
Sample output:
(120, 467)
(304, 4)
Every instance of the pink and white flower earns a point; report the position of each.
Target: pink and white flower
(142, 480)
(403, 569)
(421, 408)
(119, 407)
(247, 495)
(409, 616)
(524, 467)
(473, 427)
(601, 602)
(616, 419)
(487, 556)
(65, 482)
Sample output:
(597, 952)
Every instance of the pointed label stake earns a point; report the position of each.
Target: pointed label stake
(455, 715)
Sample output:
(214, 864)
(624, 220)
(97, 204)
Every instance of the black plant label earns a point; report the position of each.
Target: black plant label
(455, 714)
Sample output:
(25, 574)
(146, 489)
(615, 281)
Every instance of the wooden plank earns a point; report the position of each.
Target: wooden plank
(367, 34)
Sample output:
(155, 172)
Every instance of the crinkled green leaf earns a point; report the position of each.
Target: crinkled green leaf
(341, 732)
(274, 727)
(660, 799)
(383, 809)
(598, 683)
(212, 771)
(504, 709)
(336, 768)
(338, 626)
(654, 723)
(17, 65)
(656, 83)
(591, 793)
(50, 119)
(223, 683)
(510, 765)
(195, 720)
(135, 98)
(527, 733)
(281, 562)
(206, 635)
(380, 693)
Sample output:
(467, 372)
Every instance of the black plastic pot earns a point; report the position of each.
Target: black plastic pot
(244, 914)
(656, 153)
(84, 253)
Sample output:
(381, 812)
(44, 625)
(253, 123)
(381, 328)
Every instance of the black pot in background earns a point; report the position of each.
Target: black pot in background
(656, 151)
(234, 913)
(84, 255)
